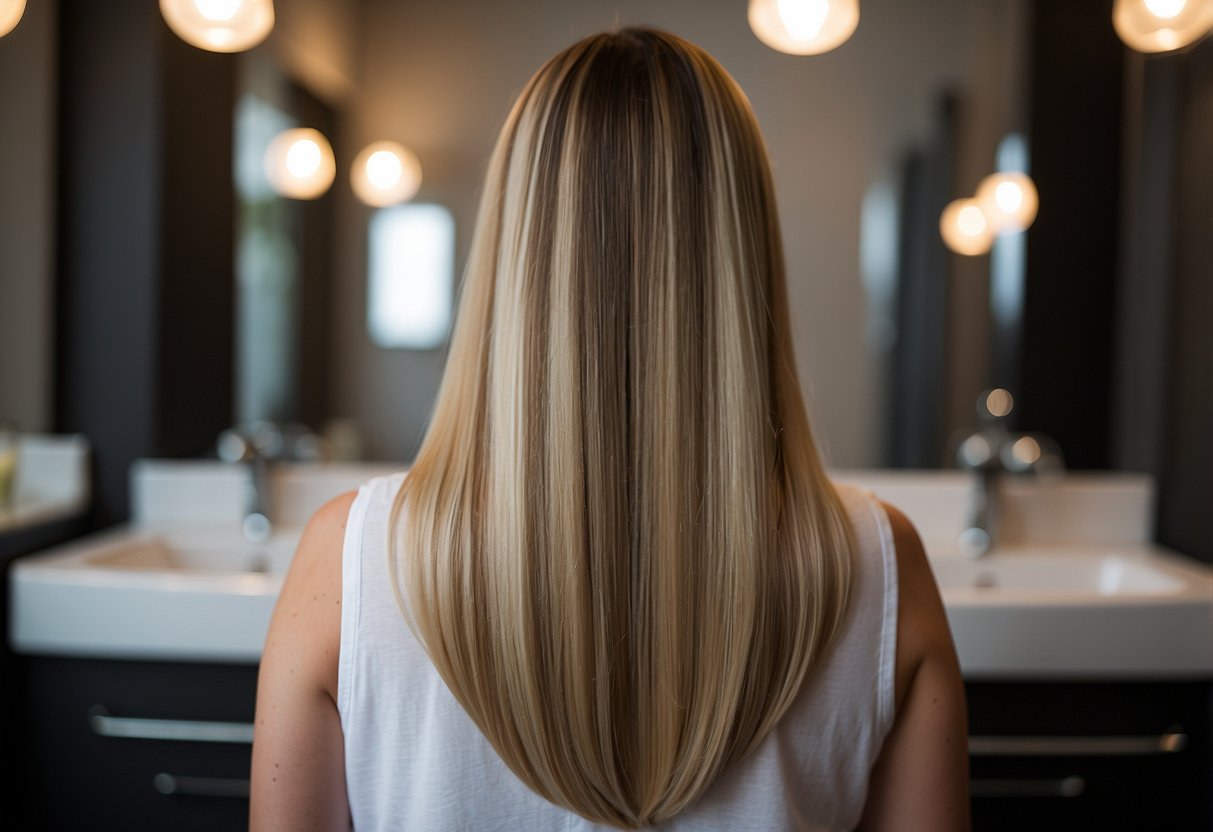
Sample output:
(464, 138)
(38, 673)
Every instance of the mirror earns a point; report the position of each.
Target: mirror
(895, 336)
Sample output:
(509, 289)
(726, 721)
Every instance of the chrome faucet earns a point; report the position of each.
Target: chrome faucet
(991, 451)
(254, 446)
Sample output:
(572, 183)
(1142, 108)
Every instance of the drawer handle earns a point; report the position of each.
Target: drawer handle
(201, 786)
(183, 730)
(1071, 786)
(1172, 742)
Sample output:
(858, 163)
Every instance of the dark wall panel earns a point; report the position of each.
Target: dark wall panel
(1070, 281)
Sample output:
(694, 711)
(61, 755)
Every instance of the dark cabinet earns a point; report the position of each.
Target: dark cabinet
(134, 745)
(1107, 755)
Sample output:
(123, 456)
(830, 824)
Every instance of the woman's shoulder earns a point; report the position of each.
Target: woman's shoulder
(922, 626)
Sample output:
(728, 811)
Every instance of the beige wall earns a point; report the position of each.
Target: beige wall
(27, 218)
(440, 78)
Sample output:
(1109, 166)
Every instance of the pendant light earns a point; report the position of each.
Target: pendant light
(1009, 201)
(803, 27)
(965, 227)
(220, 25)
(299, 163)
(385, 173)
(10, 15)
(1162, 25)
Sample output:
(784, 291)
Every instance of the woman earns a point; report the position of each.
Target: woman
(616, 587)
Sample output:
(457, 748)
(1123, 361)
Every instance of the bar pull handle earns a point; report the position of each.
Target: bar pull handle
(105, 724)
(201, 786)
(1072, 786)
(1171, 742)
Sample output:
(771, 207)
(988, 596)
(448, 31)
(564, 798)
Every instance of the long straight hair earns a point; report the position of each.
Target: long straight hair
(620, 549)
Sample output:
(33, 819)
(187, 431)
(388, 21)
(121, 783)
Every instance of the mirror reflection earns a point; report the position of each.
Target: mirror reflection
(232, 235)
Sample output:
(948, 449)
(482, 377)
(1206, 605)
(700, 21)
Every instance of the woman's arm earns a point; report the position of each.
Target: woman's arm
(921, 780)
(298, 778)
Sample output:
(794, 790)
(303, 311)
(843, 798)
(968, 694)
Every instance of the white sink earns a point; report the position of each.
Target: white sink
(1074, 590)
(1055, 576)
(1079, 612)
(181, 582)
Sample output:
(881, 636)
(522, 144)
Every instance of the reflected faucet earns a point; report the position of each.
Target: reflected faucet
(253, 446)
(258, 444)
(991, 451)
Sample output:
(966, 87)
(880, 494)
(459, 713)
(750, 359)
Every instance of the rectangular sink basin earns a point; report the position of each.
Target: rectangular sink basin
(1079, 612)
(187, 596)
(1056, 575)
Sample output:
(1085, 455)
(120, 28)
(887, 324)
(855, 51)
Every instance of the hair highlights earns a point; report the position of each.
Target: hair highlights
(620, 548)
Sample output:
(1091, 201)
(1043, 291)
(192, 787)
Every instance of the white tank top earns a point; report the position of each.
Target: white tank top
(414, 760)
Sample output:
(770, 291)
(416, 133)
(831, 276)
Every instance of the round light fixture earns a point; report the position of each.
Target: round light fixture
(1161, 25)
(299, 163)
(1009, 200)
(385, 173)
(10, 15)
(803, 27)
(965, 227)
(220, 25)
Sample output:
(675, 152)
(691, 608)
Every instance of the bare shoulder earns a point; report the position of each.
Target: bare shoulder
(921, 778)
(922, 625)
(307, 619)
(298, 770)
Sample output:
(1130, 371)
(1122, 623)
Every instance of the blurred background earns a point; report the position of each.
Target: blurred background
(231, 240)
(152, 296)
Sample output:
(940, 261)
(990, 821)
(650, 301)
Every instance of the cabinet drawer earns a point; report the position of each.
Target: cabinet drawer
(136, 745)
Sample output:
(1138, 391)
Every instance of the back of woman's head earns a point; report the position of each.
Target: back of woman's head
(619, 547)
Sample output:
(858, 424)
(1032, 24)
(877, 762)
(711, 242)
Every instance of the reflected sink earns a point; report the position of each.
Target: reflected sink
(1079, 612)
(1045, 574)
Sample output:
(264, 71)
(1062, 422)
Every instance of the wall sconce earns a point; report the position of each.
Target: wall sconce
(385, 173)
(965, 227)
(220, 25)
(299, 163)
(1162, 25)
(10, 15)
(1009, 201)
(803, 27)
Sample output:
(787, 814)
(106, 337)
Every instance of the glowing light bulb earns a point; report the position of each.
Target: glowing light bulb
(10, 15)
(385, 173)
(303, 158)
(965, 228)
(971, 221)
(1165, 9)
(803, 18)
(1009, 200)
(218, 10)
(383, 169)
(299, 163)
(803, 27)
(220, 25)
(1161, 25)
(1008, 196)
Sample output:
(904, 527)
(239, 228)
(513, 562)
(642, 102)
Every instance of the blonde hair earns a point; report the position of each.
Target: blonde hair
(620, 548)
